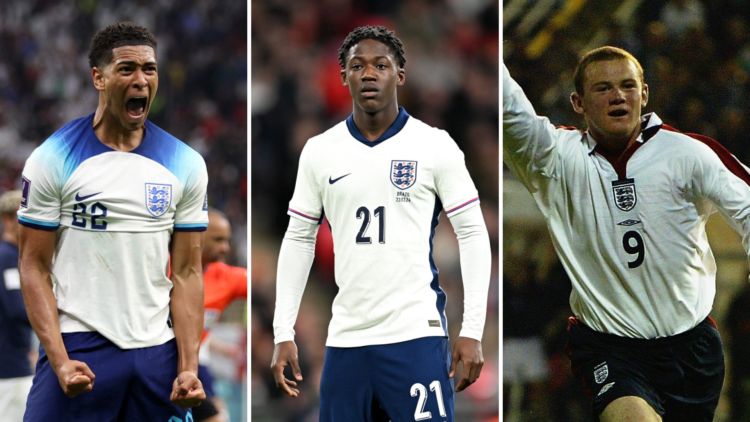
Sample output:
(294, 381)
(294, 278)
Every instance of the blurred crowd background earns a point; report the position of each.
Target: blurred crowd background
(452, 52)
(696, 59)
(45, 82)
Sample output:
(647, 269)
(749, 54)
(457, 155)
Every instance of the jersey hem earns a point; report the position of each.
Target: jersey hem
(70, 325)
(373, 341)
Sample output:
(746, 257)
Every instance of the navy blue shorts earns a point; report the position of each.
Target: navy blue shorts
(131, 384)
(679, 376)
(405, 381)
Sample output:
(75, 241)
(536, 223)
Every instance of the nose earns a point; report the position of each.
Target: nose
(139, 79)
(368, 74)
(617, 96)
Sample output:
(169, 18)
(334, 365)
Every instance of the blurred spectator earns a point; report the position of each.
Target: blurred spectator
(451, 82)
(202, 97)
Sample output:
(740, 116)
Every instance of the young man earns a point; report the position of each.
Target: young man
(222, 284)
(626, 204)
(15, 330)
(106, 200)
(382, 178)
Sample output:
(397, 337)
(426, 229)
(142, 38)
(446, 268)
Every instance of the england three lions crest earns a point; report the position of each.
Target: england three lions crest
(158, 198)
(403, 173)
(624, 194)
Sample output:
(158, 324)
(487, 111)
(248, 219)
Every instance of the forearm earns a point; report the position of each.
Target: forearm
(41, 306)
(295, 260)
(186, 307)
(186, 302)
(476, 266)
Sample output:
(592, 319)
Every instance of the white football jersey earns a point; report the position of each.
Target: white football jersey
(114, 213)
(382, 200)
(630, 233)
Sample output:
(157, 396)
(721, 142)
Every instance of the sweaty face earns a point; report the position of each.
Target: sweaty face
(129, 84)
(612, 99)
(372, 75)
(216, 239)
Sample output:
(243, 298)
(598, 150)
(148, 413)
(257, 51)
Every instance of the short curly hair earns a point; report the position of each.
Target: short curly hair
(379, 33)
(117, 35)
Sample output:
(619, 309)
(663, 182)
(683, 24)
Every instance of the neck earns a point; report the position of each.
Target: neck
(112, 133)
(373, 125)
(616, 147)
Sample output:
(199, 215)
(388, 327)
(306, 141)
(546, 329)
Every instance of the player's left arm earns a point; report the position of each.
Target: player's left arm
(476, 265)
(186, 308)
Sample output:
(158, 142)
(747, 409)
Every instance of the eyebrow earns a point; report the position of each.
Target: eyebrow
(133, 63)
(362, 58)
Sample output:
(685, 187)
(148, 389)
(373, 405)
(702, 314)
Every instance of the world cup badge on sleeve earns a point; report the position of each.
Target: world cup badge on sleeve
(158, 198)
(624, 194)
(403, 173)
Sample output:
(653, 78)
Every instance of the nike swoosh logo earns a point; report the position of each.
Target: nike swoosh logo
(81, 198)
(332, 181)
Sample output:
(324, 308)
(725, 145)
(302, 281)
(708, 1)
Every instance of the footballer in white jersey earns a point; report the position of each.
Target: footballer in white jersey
(626, 203)
(111, 203)
(381, 178)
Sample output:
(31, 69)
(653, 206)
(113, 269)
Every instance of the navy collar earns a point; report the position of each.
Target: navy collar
(395, 128)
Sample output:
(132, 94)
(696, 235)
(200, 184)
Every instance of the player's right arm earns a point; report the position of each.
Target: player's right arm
(528, 140)
(34, 263)
(295, 260)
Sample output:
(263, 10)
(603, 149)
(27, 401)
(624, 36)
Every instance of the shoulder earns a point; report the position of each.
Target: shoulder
(179, 158)
(329, 138)
(60, 143)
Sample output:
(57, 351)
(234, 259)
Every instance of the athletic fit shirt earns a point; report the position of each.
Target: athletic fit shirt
(631, 234)
(114, 213)
(382, 200)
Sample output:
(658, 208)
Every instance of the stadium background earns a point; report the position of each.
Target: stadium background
(451, 83)
(696, 59)
(45, 81)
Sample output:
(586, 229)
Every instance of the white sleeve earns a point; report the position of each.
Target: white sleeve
(528, 140)
(476, 266)
(454, 186)
(42, 180)
(192, 210)
(306, 203)
(295, 260)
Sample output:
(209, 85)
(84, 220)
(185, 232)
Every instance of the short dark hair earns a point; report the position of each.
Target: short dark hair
(379, 33)
(602, 54)
(117, 35)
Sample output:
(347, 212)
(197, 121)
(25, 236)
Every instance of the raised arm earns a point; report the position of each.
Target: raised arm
(186, 308)
(295, 260)
(34, 263)
(528, 139)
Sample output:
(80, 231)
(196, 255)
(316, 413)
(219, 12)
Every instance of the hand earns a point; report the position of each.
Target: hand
(285, 353)
(469, 352)
(75, 377)
(187, 390)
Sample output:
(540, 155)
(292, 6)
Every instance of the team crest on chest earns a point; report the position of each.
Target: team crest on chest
(403, 173)
(601, 372)
(624, 194)
(158, 198)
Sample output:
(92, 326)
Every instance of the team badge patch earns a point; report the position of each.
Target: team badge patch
(601, 372)
(403, 173)
(624, 194)
(26, 185)
(158, 198)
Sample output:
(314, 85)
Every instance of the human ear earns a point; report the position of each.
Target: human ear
(98, 76)
(344, 80)
(577, 103)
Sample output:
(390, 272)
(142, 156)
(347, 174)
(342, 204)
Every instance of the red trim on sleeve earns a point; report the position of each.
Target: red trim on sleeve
(726, 157)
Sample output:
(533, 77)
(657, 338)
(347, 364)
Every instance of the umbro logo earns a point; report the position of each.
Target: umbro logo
(332, 181)
(81, 198)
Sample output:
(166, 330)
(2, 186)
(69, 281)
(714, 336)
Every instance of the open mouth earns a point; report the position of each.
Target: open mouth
(136, 106)
(617, 113)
